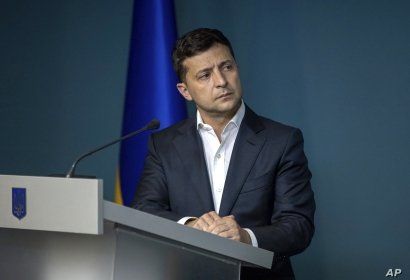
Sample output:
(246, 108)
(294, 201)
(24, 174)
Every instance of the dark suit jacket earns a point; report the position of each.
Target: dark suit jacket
(267, 187)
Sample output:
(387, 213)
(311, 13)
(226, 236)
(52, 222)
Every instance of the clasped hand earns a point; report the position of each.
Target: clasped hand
(221, 226)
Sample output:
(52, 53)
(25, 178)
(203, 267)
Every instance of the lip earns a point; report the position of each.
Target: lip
(224, 95)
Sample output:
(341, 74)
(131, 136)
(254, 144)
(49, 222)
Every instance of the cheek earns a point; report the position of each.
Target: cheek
(236, 81)
(204, 92)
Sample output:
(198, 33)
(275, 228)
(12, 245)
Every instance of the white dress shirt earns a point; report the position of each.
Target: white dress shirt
(218, 156)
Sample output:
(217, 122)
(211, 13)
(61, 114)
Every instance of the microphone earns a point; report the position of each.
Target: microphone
(153, 124)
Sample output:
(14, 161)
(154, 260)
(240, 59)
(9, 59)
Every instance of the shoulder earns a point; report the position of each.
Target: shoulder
(279, 127)
(271, 128)
(277, 132)
(169, 133)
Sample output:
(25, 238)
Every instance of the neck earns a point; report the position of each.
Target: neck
(217, 121)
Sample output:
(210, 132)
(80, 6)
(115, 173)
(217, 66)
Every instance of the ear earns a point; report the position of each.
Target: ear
(183, 90)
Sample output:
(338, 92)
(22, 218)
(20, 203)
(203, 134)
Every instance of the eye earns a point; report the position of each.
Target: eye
(204, 76)
(228, 67)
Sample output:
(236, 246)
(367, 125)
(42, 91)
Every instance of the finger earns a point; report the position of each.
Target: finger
(230, 221)
(214, 215)
(207, 218)
(224, 225)
(215, 224)
(237, 234)
(201, 224)
(217, 220)
(219, 229)
(231, 234)
(197, 225)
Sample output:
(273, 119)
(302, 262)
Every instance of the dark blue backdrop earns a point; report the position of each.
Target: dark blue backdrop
(339, 70)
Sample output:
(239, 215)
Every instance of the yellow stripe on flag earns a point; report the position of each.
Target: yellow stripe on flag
(117, 190)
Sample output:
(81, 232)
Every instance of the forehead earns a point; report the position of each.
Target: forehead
(209, 58)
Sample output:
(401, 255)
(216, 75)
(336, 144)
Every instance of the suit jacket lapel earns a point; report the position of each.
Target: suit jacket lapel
(248, 144)
(189, 146)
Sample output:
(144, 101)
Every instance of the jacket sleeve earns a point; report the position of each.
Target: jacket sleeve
(292, 221)
(152, 191)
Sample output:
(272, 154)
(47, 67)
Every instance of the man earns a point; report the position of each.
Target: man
(229, 171)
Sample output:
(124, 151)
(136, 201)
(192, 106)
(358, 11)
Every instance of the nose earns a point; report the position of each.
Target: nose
(220, 79)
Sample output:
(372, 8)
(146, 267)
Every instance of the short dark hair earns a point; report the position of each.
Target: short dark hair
(193, 43)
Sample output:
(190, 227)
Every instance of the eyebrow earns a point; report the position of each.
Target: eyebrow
(223, 63)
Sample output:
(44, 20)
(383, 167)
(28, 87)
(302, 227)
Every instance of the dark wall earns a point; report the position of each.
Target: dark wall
(62, 79)
(339, 70)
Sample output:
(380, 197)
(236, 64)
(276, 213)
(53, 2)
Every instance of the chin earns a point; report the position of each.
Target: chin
(234, 103)
(230, 106)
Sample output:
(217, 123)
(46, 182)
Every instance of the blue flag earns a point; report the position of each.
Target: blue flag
(151, 88)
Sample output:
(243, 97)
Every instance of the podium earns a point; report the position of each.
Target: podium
(60, 228)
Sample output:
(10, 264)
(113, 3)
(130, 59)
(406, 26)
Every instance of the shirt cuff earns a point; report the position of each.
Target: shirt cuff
(252, 236)
(183, 220)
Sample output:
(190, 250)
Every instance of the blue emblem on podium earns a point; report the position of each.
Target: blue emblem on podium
(19, 203)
